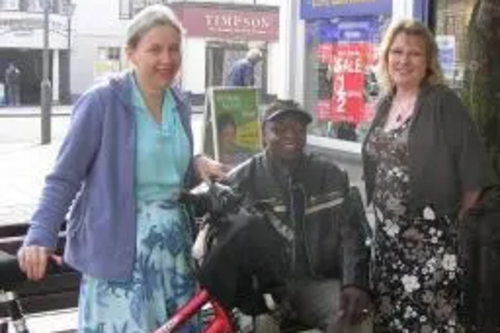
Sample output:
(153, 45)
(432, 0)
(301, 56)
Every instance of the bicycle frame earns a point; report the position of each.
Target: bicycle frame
(9, 300)
(220, 323)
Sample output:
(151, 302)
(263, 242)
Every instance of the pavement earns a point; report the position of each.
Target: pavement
(32, 111)
(64, 321)
(24, 162)
(22, 171)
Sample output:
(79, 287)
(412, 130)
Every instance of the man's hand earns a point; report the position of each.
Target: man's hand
(208, 169)
(354, 305)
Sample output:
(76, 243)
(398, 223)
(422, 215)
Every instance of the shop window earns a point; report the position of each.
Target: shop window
(128, 8)
(113, 53)
(125, 9)
(452, 19)
(108, 62)
(32, 6)
(6, 5)
(137, 5)
(341, 87)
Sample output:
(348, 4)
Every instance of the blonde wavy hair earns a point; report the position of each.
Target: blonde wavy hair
(412, 28)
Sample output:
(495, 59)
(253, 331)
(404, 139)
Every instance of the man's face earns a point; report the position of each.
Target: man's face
(285, 137)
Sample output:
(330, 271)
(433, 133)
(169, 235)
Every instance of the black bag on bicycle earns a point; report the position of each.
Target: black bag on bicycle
(245, 259)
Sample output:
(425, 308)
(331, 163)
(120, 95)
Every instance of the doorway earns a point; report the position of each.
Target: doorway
(219, 57)
(29, 62)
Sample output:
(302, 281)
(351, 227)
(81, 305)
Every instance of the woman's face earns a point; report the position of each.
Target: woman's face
(157, 57)
(407, 61)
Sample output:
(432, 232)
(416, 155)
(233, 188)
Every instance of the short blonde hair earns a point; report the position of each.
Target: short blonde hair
(149, 18)
(434, 73)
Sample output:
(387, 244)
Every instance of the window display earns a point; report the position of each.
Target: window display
(452, 20)
(340, 74)
(108, 62)
(9, 4)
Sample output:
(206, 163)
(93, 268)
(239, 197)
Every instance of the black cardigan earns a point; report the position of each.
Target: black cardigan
(446, 155)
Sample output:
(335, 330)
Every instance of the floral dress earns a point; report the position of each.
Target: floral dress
(415, 272)
(162, 280)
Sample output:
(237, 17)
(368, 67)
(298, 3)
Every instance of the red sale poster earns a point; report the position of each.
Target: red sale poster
(350, 61)
(324, 52)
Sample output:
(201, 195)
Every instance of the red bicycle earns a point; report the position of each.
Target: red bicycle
(221, 321)
(212, 202)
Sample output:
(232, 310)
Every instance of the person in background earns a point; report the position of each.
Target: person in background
(12, 82)
(315, 246)
(126, 157)
(242, 71)
(424, 168)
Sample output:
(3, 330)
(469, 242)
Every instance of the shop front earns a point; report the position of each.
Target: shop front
(341, 50)
(218, 35)
(340, 85)
(21, 44)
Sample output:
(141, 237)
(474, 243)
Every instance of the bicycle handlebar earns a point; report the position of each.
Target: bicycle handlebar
(218, 199)
(11, 275)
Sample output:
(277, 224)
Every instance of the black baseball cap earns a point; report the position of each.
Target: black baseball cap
(280, 108)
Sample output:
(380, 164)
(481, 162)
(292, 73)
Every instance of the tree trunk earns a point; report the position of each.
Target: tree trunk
(482, 95)
(482, 77)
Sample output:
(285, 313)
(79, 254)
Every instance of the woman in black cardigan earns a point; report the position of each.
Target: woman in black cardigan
(424, 167)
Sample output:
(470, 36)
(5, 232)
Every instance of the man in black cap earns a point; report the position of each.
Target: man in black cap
(314, 240)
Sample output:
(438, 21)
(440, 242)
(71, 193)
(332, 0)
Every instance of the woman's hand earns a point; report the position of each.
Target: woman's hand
(469, 199)
(33, 261)
(209, 169)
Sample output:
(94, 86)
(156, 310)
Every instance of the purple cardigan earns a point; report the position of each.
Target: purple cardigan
(94, 175)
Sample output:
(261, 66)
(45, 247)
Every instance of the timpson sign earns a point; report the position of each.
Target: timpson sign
(230, 23)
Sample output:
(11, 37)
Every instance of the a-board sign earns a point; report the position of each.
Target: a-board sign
(233, 114)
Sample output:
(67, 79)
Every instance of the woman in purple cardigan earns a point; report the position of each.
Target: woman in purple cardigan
(126, 157)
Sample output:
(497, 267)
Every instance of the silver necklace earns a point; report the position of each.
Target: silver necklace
(404, 110)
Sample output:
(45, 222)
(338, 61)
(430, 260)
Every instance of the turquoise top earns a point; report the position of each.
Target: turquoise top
(162, 151)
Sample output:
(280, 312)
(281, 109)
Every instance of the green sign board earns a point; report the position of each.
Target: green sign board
(232, 113)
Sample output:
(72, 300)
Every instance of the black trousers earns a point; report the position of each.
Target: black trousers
(248, 259)
(314, 303)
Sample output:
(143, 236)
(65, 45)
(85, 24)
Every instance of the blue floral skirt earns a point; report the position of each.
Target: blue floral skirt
(162, 279)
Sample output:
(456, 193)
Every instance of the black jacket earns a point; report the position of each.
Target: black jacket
(250, 254)
(446, 154)
(335, 226)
